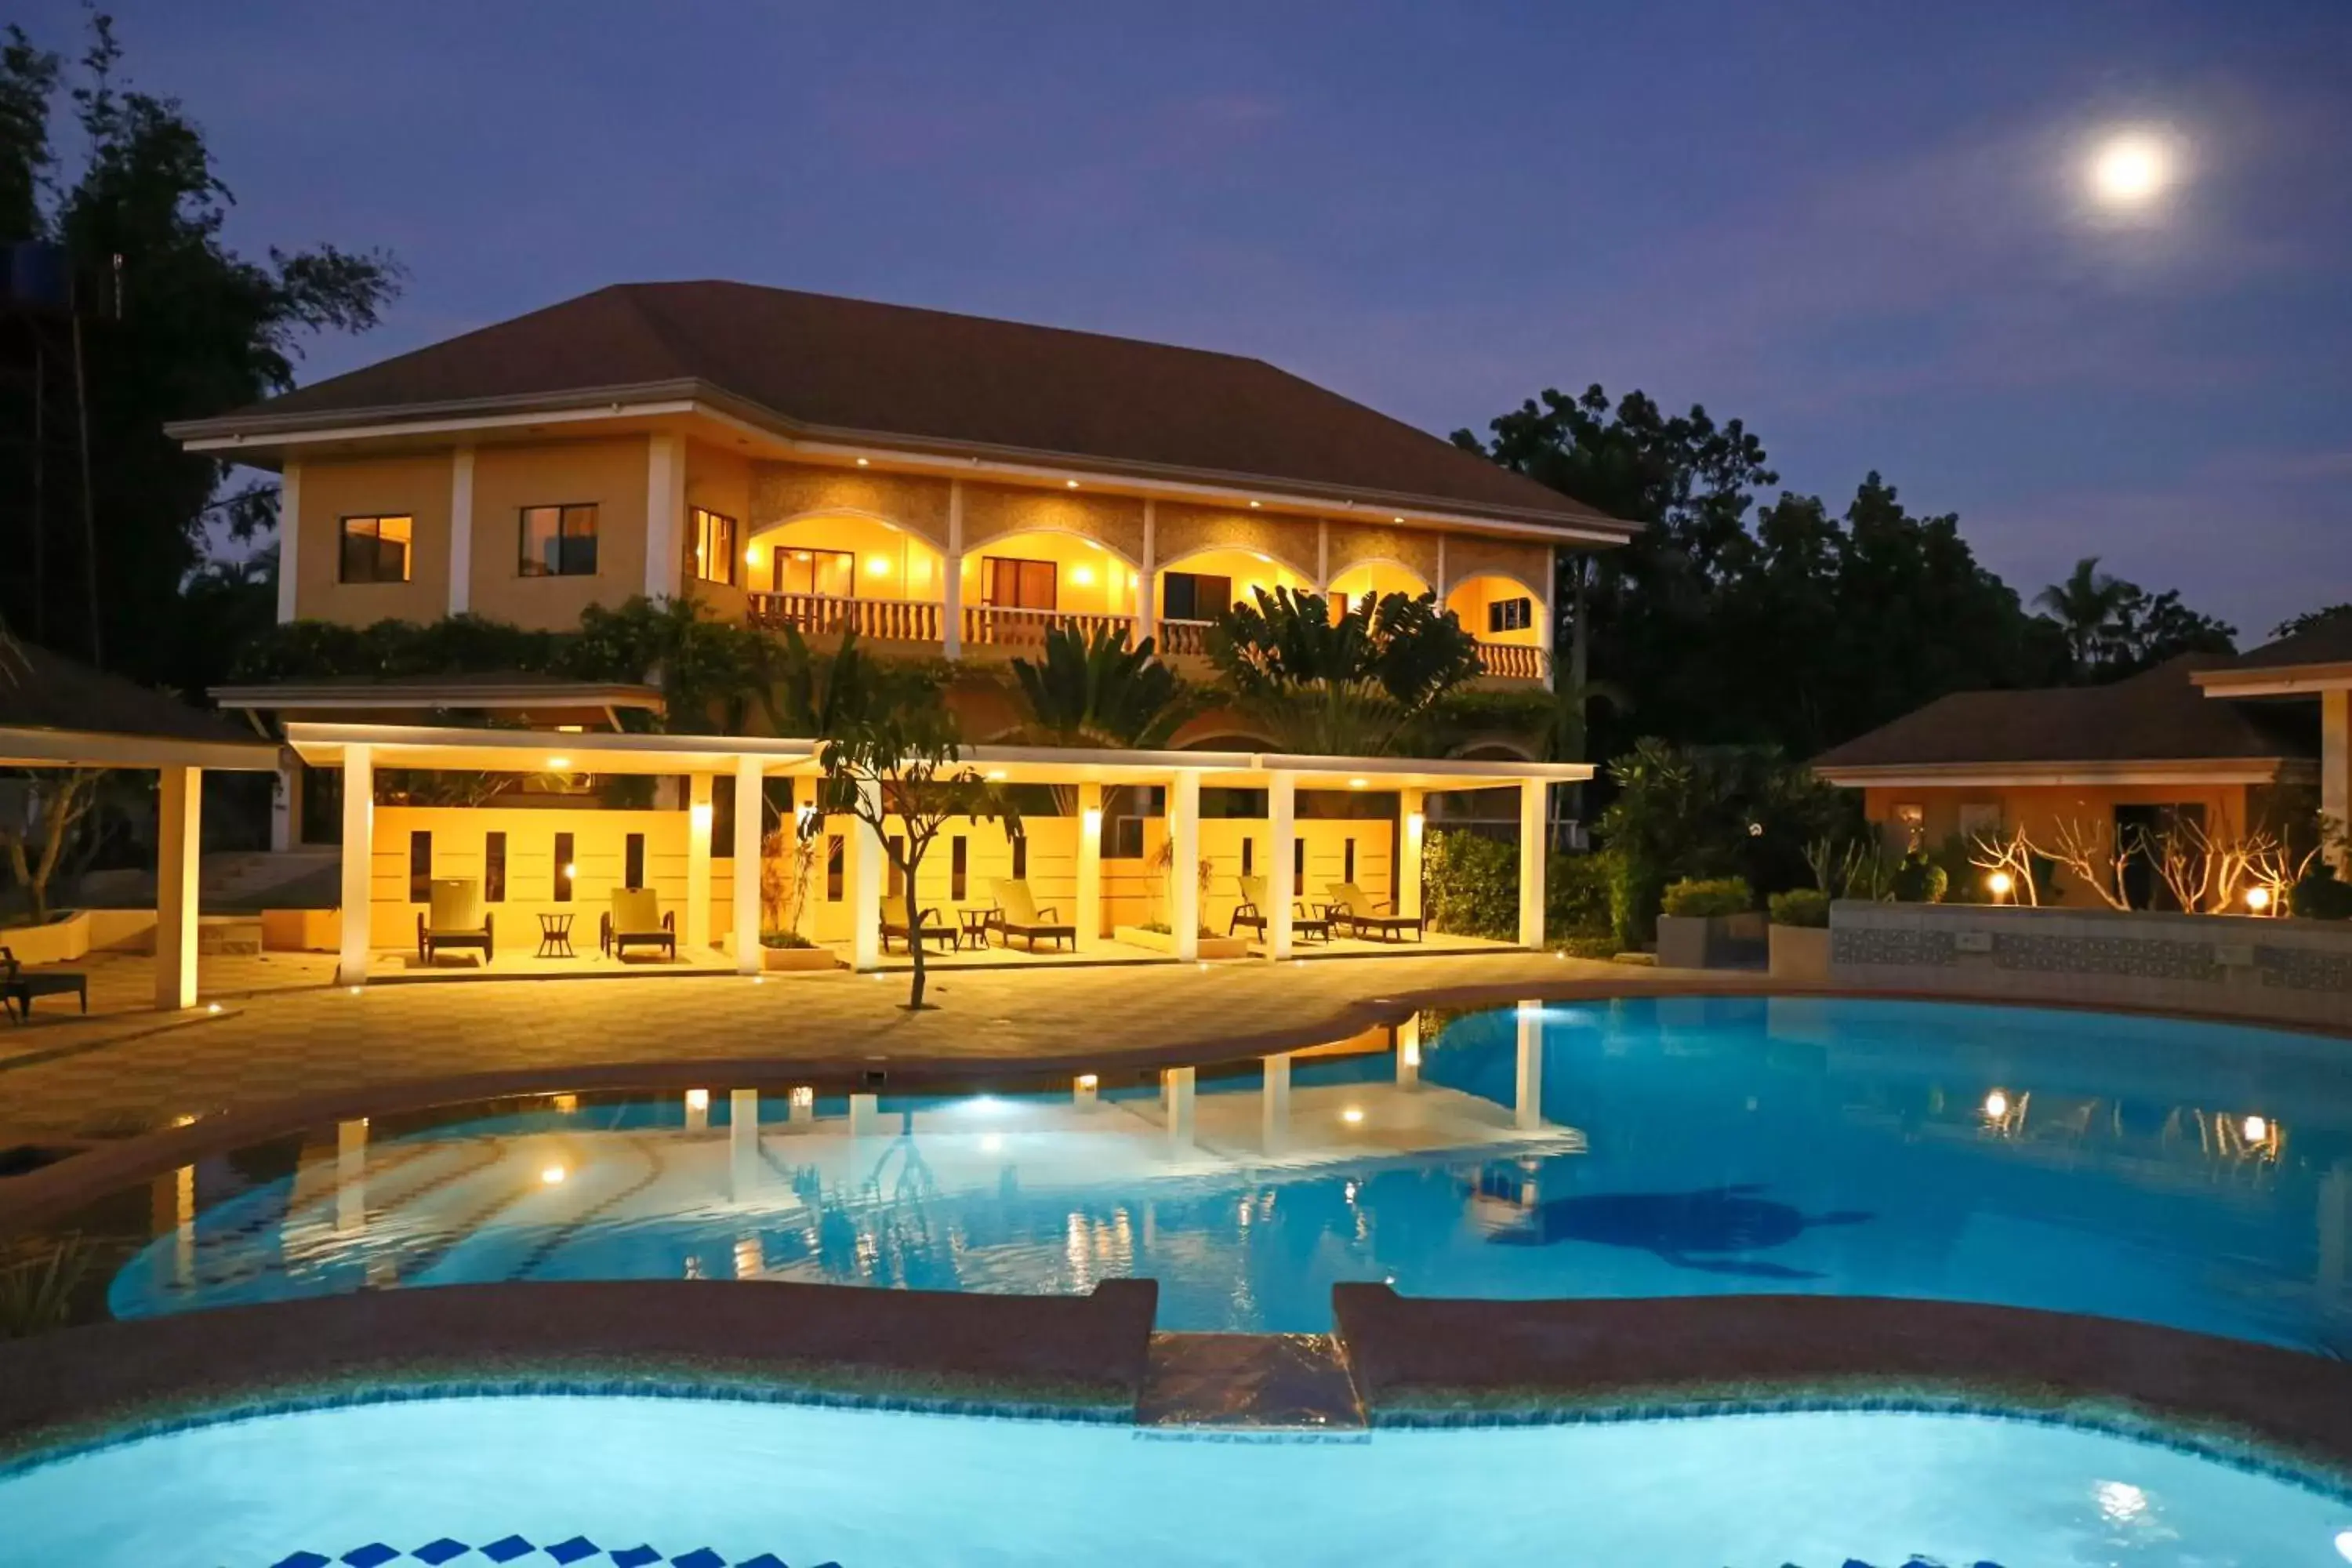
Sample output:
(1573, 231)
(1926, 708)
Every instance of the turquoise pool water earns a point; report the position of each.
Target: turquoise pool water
(637, 1481)
(2190, 1174)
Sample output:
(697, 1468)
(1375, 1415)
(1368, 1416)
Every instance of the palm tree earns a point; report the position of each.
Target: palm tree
(1353, 685)
(1096, 691)
(2085, 607)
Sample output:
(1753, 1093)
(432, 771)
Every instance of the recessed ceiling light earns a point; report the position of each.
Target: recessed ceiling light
(1071, 484)
(1253, 504)
(559, 762)
(1396, 519)
(862, 463)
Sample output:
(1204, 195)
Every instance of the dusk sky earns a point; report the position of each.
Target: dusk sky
(1868, 230)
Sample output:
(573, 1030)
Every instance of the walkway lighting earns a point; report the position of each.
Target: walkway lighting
(1070, 484)
(1999, 884)
(698, 1100)
(861, 462)
(2258, 899)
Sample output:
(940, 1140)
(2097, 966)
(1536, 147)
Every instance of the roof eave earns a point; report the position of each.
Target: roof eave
(2273, 679)
(2063, 773)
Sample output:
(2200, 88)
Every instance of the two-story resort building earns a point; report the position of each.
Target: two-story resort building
(947, 486)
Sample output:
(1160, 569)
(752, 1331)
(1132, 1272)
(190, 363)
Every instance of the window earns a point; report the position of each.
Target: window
(1349, 860)
(836, 855)
(895, 880)
(420, 866)
(833, 573)
(559, 542)
(494, 868)
(1016, 584)
(959, 866)
(1975, 819)
(1020, 857)
(375, 549)
(632, 861)
(1911, 822)
(1189, 596)
(1125, 808)
(1249, 856)
(563, 867)
(1511, 615)
(1298, 862)
(714, 546)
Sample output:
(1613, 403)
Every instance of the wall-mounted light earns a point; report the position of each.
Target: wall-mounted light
(995, 775)
(1252, 506)
(698, 1100)
(2257, 1129)
(1084, 576)
(1090, 821)
(1352, 1115)
(1357, 784)
(553, 1175)
(1996, 1105)
(878, 564)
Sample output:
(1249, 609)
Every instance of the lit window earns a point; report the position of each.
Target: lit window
(559, 542)
(1017, 584)
(714, 546)
(375, 549)
(1510, 615)
(1193, 596)
(833, 573)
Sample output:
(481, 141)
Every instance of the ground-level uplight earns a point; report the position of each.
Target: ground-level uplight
(2258, 900)
(1999, 884)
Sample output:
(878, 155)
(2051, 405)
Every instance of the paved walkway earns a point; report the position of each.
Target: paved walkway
(105, 1078)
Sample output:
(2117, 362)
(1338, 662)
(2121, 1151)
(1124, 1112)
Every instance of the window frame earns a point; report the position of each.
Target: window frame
(730, 553)
(988, 573)
(528, 565)
(344, 536)
(1192, 581)
(781, 553)
(1513, 614)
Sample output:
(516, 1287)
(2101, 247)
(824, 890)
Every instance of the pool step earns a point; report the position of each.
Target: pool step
(1265, 1382)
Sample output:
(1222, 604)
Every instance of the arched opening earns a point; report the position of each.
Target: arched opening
(1507, 617)
(827, 573)
(1379, 578)
(1196, 589)
(1018, 585)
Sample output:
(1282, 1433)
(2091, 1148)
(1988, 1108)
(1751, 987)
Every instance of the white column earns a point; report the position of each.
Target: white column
(1442, 584)
(2335, 765)
(865, 885)
(1146, 592)
(1085, 1091)
(665, 514)
(1532, 800)
(461, 530)
(952, 580)
(1090, 824)
(1176, 1096)
(698, 1110)
(1547, 612)
(1184, 863)
(1273, 1106)
(1413, 818)
(178, 841)
(1282, 884)
(290, 536)
(1526, 1105)
(696, 938)
(359, 861)
(751, 863)
(286, 805)
(1322, 555)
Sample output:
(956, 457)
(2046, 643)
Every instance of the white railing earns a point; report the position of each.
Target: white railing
(1514, 661)
(825, 615)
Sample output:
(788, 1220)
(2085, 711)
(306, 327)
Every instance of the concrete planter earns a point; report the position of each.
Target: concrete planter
(797, 959)
(1715, 942)
(1801, 952)
(1165, 942)
(63, 940)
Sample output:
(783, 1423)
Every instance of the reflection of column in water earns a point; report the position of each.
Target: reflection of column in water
(1084, 1091)
(749, 1263)
(351, 1177)
(2334, 1226)
(698, 1110)
(1176, 1096)
(865, 1115)
(1408, 1053)
(743, 1143)
(1527, 1104)
(801, 1105)
(1274, 1132)
(183, 1237)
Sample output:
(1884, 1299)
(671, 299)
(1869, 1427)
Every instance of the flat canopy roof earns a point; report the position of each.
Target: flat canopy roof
(539, 750)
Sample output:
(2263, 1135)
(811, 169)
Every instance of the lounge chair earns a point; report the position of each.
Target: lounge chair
(453, 918)
(637, 920)
(17, 988)
(1017, 914)
(1251, 913)
(934, 928)
(1352, 910)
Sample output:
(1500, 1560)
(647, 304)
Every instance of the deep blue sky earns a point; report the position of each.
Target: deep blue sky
(1861, 227)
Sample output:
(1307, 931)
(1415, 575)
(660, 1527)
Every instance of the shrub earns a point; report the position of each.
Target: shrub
(783, 938)
(1694, 899)
(1920, 880)
(1470, 885)
(1799, 907)
(2321, 895)
(1576, 896)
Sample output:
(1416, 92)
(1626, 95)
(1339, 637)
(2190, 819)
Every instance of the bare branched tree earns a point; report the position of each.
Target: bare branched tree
(2009, 852)
(2094, 851)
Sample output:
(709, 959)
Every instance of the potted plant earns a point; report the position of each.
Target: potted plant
(791, 951)
(1801, 935)
(1710, 924)
(787, 868)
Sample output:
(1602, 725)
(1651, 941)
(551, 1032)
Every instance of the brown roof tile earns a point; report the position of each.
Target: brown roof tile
(932, 377)
(43, 691)
(2156, 716)
(2329, 642)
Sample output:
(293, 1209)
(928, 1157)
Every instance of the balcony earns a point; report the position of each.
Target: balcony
(823, 617)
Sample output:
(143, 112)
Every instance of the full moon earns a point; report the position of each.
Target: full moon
(2130, 170)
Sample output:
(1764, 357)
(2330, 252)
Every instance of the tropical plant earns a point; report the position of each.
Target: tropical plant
(2085, 607)
(1808, 907)
(38, 1287)
(1353, 685)
(2321, 895)
(1707, 897)
(1092, 689)
(900, 774)
(817, 695)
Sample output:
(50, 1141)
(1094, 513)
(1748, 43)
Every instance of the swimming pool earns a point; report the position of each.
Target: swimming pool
(2190, 1174)
(703, 1483)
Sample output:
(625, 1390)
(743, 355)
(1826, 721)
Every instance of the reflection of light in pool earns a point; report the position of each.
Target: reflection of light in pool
(2120, 1501)
(2255, 1129)
(2343, 1545)
(1996, 1105)
(553, 1175)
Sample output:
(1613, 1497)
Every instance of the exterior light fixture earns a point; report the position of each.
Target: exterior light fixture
(1088, 1081)
(878, 564)
(2256, 1128)
(552, 1176)
(355, 990)
(569, 869)
(699, 814)
(1396, 519)
(698, 1100)
(996, 774)
(213, 1008)
(1252, 506)
(1070, 484)
(751, 556)
(559, 762)
(1999, 884)
(1356, 784)
(861, 462)
(804, 1095)
(2258, 899)
(1996, 1105)
(1083, 576)
(1352, 1115)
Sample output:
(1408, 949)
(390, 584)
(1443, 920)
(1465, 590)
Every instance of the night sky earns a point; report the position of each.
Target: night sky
(1867, 230)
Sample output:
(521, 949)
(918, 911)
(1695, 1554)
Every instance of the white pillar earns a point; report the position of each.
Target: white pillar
(865, 885)
(952, 580)
(1442, 584)
(696, 938)
(1085, 1091)
(461, 530)
(751, 863)
(286, 805)
(359, 861)
(290, 536)
(1413, 818)
(1282, 883)
(1273, 1106)
(665, 514)
(1533, 797)
(1176, 1096)
(698, 1110)
(2336, 766)
(1526, 1105)
(1184, 863)
(1090, 824)
(178, 843)
(1146, 592)
(1547, 612)
(1322, 555)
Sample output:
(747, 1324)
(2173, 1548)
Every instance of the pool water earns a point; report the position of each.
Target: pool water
(649, 1480)
(2189, 1174)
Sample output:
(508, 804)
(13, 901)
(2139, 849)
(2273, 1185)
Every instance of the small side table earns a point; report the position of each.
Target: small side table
(555, 936)
(974, 928)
